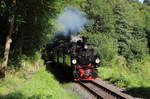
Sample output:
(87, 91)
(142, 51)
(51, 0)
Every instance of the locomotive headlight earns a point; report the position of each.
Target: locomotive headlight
(74, 61)
(97, 60)
(85, 46)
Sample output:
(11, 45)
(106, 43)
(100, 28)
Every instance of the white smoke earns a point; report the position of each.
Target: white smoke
(75, 38)
(72, 21)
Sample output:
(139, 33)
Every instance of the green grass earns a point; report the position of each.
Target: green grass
(135, 78)
(12, 80)
(16, 76)
(42, 85)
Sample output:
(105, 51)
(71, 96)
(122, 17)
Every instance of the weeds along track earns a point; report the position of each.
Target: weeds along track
(103, 91)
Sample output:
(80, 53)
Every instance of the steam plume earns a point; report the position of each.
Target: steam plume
(72, 21)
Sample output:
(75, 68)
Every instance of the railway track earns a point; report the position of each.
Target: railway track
(102, 90)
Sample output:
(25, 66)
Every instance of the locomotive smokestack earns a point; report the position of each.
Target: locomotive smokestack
(84, 40)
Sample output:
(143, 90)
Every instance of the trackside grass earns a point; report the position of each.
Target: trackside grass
(135, 78)
(42, 85)
(32, 81)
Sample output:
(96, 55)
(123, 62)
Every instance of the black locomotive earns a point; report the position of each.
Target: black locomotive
(82, 58)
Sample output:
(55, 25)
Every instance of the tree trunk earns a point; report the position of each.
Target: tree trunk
(8, 43)
(5, 58)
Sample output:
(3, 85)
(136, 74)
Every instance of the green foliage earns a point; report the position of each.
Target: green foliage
(17, 73)
(119, 31)
(146, 12)
(133, 77)
(101, 14)
(2, 7)
(124, 22)
(147, 2)
(42, 85)
(105, 45)
(32, 32)
(129, 29)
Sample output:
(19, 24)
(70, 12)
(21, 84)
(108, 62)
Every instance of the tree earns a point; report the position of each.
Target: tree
(32, 32)
(28, 23)
(147, 2)
(146, 13)
(129, 30)
(8, 39)
(101, 14)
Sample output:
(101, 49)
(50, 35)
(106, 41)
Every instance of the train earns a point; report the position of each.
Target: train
(78, 53)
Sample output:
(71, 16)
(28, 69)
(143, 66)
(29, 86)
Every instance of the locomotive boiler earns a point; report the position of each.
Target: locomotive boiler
(83, 59)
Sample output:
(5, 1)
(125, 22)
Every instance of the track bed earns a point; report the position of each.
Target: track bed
(102, 90)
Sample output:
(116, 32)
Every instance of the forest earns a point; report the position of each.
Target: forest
(119, 30)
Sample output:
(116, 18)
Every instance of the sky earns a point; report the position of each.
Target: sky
(141, 1)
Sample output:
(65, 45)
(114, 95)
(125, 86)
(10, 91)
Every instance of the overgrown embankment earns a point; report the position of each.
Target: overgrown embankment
(42, 85)
(135, 78)
(32, 81)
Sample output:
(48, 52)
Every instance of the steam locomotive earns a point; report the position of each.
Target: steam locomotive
(83, 59)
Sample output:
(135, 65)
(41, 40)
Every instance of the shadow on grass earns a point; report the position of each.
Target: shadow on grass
(62, 73)
(14, 96)
(18, 95)
(141, 92)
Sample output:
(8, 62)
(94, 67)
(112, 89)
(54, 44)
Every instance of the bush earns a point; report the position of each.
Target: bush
(104, 44)
(135, 75)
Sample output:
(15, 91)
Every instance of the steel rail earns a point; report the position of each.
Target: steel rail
(101, 91)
